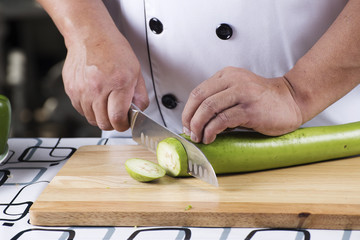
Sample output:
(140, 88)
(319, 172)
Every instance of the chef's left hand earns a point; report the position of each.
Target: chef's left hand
(235, 97)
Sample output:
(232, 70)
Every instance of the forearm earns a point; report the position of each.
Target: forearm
(79, 20)
(331, 68)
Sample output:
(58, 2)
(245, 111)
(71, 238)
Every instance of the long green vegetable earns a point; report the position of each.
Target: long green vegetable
(234, 152)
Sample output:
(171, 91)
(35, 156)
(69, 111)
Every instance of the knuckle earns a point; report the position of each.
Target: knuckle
(77, 106)
(124, 74)
(194, 125)
(209, 136)
(219, 74)
(116, 118)
(91, 121)
(227, 69)
(197, 93)
(119, 122)
(185, 118)
(122, 81)
(209, 106)
(223, 117)
(105, 126)
(70, 90)
(96, 86)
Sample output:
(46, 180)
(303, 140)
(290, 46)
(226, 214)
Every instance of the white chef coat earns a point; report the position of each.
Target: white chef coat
(182, 48)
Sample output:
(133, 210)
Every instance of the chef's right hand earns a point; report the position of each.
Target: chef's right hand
(101, 73)
(102, 77)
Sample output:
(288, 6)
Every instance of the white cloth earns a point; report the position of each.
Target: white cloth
(268, 38)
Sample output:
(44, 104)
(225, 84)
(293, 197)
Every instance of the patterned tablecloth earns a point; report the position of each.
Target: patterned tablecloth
(33, 162)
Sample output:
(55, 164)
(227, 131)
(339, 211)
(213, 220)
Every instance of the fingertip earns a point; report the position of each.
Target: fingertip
(210, 139)
(186, 131)
(211, 131)
(191, 107)
(194, 138)
(88, 113)
(142, 104)
(141, 97)
(93, 123)
(119, 122)
(101, 114)
(118, 107)
(77, 107)
(185, 119)
(122, 128)
(105, 126)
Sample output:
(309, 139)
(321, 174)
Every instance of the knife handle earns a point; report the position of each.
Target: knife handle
(133, 112)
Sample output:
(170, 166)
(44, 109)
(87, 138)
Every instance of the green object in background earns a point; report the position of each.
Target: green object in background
(5, 121)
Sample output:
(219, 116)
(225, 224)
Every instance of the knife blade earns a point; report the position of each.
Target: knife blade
(149, 133)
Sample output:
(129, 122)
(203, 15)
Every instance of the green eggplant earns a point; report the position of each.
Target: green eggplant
(235, 152)
(5, 122)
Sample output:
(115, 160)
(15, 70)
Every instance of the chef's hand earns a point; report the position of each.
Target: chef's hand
(101, 73)
(235, 97)
(102, 77)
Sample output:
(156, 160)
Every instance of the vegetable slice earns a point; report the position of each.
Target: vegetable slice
(171, 156)
(143, 170)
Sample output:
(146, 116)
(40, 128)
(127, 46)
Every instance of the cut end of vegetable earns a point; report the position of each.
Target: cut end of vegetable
(143, 170)
(171, 155)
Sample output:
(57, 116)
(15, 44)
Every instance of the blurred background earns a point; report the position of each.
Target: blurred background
(32, 53)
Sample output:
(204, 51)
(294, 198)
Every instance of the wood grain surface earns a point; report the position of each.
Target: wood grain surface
(94, 189)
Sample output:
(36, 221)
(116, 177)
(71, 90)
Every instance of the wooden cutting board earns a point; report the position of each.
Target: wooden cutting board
(94, 189)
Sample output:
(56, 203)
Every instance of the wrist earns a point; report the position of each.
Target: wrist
(312, 82)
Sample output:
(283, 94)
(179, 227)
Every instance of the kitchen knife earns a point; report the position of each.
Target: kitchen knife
(149, 133)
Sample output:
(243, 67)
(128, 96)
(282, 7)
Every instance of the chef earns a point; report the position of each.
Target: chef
(202, 66)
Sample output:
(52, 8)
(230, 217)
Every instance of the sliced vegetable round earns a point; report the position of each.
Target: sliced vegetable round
(171, 155)
(143, 170)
